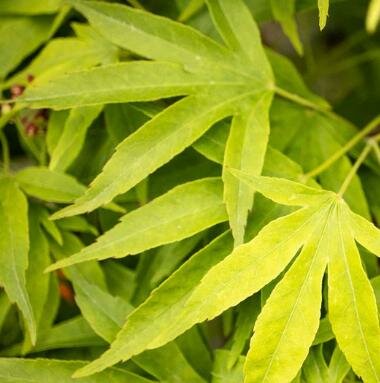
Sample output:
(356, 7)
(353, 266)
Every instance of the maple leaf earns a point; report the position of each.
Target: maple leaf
(218, 81)
(324, 230)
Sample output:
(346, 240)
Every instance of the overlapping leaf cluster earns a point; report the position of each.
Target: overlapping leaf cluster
(236, 189)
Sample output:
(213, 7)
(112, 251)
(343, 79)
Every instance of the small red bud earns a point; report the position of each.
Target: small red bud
(17, 90)
(66, 292)
(30, 78)
(31, 130)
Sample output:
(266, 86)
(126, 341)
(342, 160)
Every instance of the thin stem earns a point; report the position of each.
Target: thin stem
(363, 155)
(5, 147)
(344, 149)
(375, 146)
(300, 100)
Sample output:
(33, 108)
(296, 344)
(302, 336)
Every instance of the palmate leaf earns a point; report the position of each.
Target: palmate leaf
(219, 81)
(325, 229)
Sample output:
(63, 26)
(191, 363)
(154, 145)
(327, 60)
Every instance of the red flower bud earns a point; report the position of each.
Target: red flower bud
(17, 90)
(31, 129)
(66, 292)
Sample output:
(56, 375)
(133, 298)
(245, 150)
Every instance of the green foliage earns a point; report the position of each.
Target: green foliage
(186, 194)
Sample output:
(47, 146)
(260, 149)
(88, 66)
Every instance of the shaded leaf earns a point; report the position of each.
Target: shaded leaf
(73, 135)
(14, 248)
(47, 370)
(284, 13)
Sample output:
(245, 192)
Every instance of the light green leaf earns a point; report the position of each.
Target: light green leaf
(221, 373)
(323, 6)
(284, 13)
(324, 333)
(37, 283)
(178, 214)
(250, 126)
(64, 55)
(5, 306)
(49, 185)
(366, 233)
(291, 312)
(154, 144)
(120, 279)
(50, 226)
(162, 307)
(55, 127)
(48, 370)
(137, 31)
(73, 135)
(193, 7)
(105, 313)
(77, 224)
(373, 16)
(168, 364)
(74, 332)
(247, 315)
(91, 271)
(186, 71)
(283, 191)
(123, 82)
(195, 349)
(315, 369)
(239, 31)
(30, 32)
(338, 367)
(352, 306)
(14, 248)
